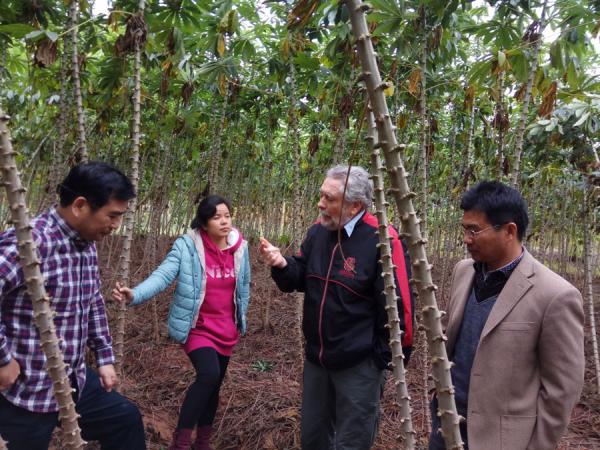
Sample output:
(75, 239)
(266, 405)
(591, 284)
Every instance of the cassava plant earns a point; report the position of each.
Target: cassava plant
(534, 36)
(134, 39)
(81, 154)
(588, 272)
(42, 312)
(410, 226)
(387, 265)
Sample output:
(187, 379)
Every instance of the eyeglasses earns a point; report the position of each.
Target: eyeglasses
(472, 234)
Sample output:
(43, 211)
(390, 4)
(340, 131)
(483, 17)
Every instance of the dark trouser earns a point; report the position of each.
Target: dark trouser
(436, 441)
(340, 408)
(107, 417)
(202, 398)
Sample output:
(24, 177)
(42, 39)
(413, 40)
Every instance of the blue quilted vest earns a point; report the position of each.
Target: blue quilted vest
(185, 262)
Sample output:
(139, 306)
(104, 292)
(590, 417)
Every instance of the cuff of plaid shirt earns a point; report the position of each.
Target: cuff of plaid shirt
(105, 356)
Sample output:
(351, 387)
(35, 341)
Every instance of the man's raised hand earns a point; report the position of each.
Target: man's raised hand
(271, 255)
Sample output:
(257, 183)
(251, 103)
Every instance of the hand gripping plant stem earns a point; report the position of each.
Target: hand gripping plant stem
(2, 444)
(42, 313)
(408, 433)
(410, 226)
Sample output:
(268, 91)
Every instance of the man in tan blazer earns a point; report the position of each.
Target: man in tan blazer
(515, 333)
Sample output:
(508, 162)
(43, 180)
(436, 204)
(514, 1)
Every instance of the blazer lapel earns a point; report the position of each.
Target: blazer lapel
(517, 285)
(462, 284)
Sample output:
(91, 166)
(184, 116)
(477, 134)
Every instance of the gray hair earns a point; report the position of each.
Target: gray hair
(360, 186)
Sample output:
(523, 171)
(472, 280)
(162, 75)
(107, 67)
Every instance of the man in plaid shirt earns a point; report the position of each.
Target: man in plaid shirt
(93, 198)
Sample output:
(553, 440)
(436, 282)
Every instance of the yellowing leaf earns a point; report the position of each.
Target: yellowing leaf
(401, 121)
(285, 48)
(113, 20)
(389, 90)
(414, 81)
(469, 97)
(222, 84)
(221, 45)
(201, 129)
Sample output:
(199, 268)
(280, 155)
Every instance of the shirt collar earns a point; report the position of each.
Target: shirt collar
(349, 227)
(67, 229)
(504, 270)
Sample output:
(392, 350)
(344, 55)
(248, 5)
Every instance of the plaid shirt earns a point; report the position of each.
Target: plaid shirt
(72, 280)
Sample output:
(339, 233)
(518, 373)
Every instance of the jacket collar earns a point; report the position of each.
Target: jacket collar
(515, 288)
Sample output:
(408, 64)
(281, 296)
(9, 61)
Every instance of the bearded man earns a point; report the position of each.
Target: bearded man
(347, 350)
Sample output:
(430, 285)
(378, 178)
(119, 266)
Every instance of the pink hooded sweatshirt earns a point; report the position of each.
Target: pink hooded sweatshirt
(216, 327)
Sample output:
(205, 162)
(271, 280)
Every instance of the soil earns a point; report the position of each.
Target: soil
(260, 398)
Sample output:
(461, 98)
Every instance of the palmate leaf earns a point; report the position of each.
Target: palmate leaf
(213, 68)
(185, 15)
(307, 62)
(38, 35)
(480, 71)
(243, 48)
(7, 12)
(111, 73)
(16, 30)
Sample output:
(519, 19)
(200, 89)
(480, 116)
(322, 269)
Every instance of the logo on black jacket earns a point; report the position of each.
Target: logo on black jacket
(349, 269)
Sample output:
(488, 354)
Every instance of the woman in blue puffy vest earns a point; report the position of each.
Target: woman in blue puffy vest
(212, 268)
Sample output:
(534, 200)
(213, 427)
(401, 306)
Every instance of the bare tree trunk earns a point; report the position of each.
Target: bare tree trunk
(514, 178)
(295, 131)
(588, 273)
(64, 107)
(125, 258)
(410, 225)
(34, 280)
(387, 265)
(213, 173)
(81, 155)
(424, 127)
(468, 154)
(339, 145)
(499, 116)
(159, 199)
(57, 164)
(295, 229)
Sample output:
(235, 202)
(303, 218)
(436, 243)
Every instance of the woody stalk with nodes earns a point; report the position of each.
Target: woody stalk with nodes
(42, 313)
(385, 250)
(410, 226)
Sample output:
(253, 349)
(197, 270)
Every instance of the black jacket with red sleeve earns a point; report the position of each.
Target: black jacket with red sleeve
(344, 304)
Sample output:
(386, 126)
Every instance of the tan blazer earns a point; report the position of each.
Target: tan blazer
(528, 369)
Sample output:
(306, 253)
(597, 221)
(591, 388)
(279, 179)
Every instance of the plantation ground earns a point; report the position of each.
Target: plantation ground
(260, 399)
